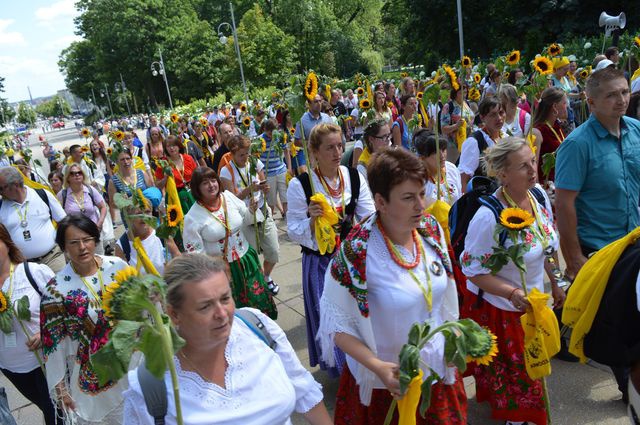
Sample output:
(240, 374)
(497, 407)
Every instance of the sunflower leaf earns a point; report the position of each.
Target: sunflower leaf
(425, 398)
(22, 310)
(107, 365)
(5, 321)
(122, 201)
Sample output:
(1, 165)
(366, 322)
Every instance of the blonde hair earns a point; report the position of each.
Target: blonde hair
(319, 132)
(190, 268)
(496, 158)
(67, 171)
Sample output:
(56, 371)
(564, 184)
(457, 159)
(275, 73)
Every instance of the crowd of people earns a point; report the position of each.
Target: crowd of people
(383, 263)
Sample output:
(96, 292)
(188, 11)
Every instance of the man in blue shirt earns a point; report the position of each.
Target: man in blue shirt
(598, 176)
(309, 119)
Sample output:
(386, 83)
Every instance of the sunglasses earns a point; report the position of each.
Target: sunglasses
(76, 173)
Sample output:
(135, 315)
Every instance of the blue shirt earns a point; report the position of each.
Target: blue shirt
(605, 171)
(273, 164)
(308, 122)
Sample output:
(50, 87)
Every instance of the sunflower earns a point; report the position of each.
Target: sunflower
(119, 135)
(85, 133)
(474, 94)
(584, 74)
(124, 275)
(636, 41)
(360, 91)
(174, 216)
(513, 58)
(327, 91)
(488, 350)
(466, 62)
(403, 75)
(365, 104)
(204, 121)
(243, 108)
(109, 151)
(246, 121)
(85, 148)
(110, 289)
(531, 140)
(263, 145)
(506, 75)
(515, 218)
(420, 95)
(477, 78)
(294, 149)
(390, 105)
(174, 118)
(452, 76)
(292, 131)
(311, 86)
(3, 302)
(554, 50)
(543, 65)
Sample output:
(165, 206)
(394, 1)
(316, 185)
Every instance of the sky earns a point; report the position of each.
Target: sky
(32, 35)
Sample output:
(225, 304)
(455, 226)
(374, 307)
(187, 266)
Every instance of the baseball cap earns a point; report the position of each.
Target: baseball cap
(604, 63)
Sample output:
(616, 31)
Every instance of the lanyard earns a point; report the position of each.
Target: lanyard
(326, 188)
(90, 286)
(245, 181)
(23, 218)
(223, 222)
(10, 291)
(540, 230)
(134, 185)
(560, 139)
(426, 293)
(79, 203)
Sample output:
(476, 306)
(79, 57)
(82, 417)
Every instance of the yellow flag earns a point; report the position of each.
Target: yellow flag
(173, 198)
(32, 184)
(461, 134)
(583, 300)
(408, 404)
(325, 235)
(143, 258)
(365, 156)
(541, 335)
(440, 210)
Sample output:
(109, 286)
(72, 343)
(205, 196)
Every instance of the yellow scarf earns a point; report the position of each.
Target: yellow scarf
(585, 296)
(365, 156)
(635, 75)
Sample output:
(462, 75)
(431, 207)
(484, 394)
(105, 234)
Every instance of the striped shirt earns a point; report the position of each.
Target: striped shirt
(274, 165)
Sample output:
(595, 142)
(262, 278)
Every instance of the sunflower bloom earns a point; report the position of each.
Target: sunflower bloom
(584, 74)
(477, 78)
(246, 121)
(365, 104)
(360, 91)
(420, 95)
(543, 65)
(404, 75)
(636, 41)
(513, 58)
(174, 118)
(390, 105)
(174, 216)
(3, 302)
(85, 133)
(311, 86)
(327, 91)
(452, 77)
(119, 135)
(124, 275)
(204, 121)
(554, 50)
(466, 62)
(488, 350)
(474, 94)
(243, 108)
(531, 139)
(109, 151)
(85, 148)
(515, 218)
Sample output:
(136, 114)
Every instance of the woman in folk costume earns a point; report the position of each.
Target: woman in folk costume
(392, 271)
(347, 196)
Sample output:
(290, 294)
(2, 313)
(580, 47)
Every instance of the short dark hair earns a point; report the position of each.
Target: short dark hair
(425, 142)
(392, 167)
(611, 51)
(372, 129)
(596, 79)
(173, 141)
(80, 221)
(15, 255)
(270, 125)
(487, 104)
(74, 148)
(632, 109)
(199, 175)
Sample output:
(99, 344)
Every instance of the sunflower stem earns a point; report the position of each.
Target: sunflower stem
(306, 155)
(392, 408)
(28, 335)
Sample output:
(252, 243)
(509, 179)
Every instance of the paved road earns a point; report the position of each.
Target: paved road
(580, 394)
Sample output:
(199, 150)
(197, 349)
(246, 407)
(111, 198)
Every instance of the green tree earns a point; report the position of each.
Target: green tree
(6, 112)
(26, 114)
(54, 107)
(268, 53)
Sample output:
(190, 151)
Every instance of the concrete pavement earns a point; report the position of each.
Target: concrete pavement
(579, 394)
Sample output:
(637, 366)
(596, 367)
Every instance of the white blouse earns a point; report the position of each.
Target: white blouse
(454, 186)
(297, 219)
(479, 248)
(14, 354)
(154, 249)
(262, 386)
(205, 233)
(225, 173)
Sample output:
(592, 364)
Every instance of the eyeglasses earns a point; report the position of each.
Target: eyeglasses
(384, 138)
(75, 243)
(76, 173)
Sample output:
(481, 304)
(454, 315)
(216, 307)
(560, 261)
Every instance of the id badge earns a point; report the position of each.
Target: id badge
(27, 235)
(10, 340)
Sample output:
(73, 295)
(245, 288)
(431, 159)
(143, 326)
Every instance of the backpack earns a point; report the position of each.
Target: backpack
(522, 119)
(354, 178)
(42, 194)
(482, 146)
(65, 193)
(30, 278)
(154, 390)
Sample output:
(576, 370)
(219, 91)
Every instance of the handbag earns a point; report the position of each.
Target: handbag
(5, 413)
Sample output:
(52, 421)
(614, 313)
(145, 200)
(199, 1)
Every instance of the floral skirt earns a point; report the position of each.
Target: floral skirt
(504, 383)
(448, 404)
(248, 285)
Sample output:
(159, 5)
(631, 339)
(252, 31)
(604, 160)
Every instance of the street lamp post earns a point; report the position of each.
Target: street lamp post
(102, 93)
(162, 71)
(460, 34)
(223, 40)
(95, 104)
(120, 86)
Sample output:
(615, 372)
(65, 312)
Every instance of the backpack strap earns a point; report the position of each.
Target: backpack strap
(154, 392)
(126, 246)
(539, 195)
(254, 323)
(496, 208)
(354, 178)
(482, 143)
(305, 181)
(450, 111)
(30, 278)
(43, 195)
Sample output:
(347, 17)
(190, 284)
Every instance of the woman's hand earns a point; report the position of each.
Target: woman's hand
(389, 374)
(519, 300)
(253, 205)
(558, 295)
(315, 209)
(34, 342)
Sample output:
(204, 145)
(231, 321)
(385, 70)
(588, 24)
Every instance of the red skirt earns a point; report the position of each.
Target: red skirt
(505, 384)
(448, 404)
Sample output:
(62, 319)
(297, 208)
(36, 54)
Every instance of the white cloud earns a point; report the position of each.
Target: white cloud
(10, 38)
(61, 9)
(36, 73)
(58, 44)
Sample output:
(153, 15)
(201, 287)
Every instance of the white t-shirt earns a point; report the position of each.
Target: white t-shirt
(357, 129)
(154, 249)
(470, 155)
(241, 179)
(514, 128)
(39, 236)
(14, 354)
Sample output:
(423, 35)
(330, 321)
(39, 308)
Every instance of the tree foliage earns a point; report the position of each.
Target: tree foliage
(26, 114)
(54, 107)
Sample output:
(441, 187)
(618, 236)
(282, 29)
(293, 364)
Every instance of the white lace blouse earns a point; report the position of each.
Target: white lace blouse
(450, 192)
(262, 386)
(479, 248)
(297, 218)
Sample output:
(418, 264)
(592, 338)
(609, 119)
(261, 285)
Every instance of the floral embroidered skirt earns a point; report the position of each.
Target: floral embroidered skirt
(448, 404)
(505, 384)
(248, 285)
(313, 270)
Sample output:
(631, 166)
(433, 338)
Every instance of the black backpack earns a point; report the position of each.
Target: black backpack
(482, 146)
(154, 390)
(42, 194)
